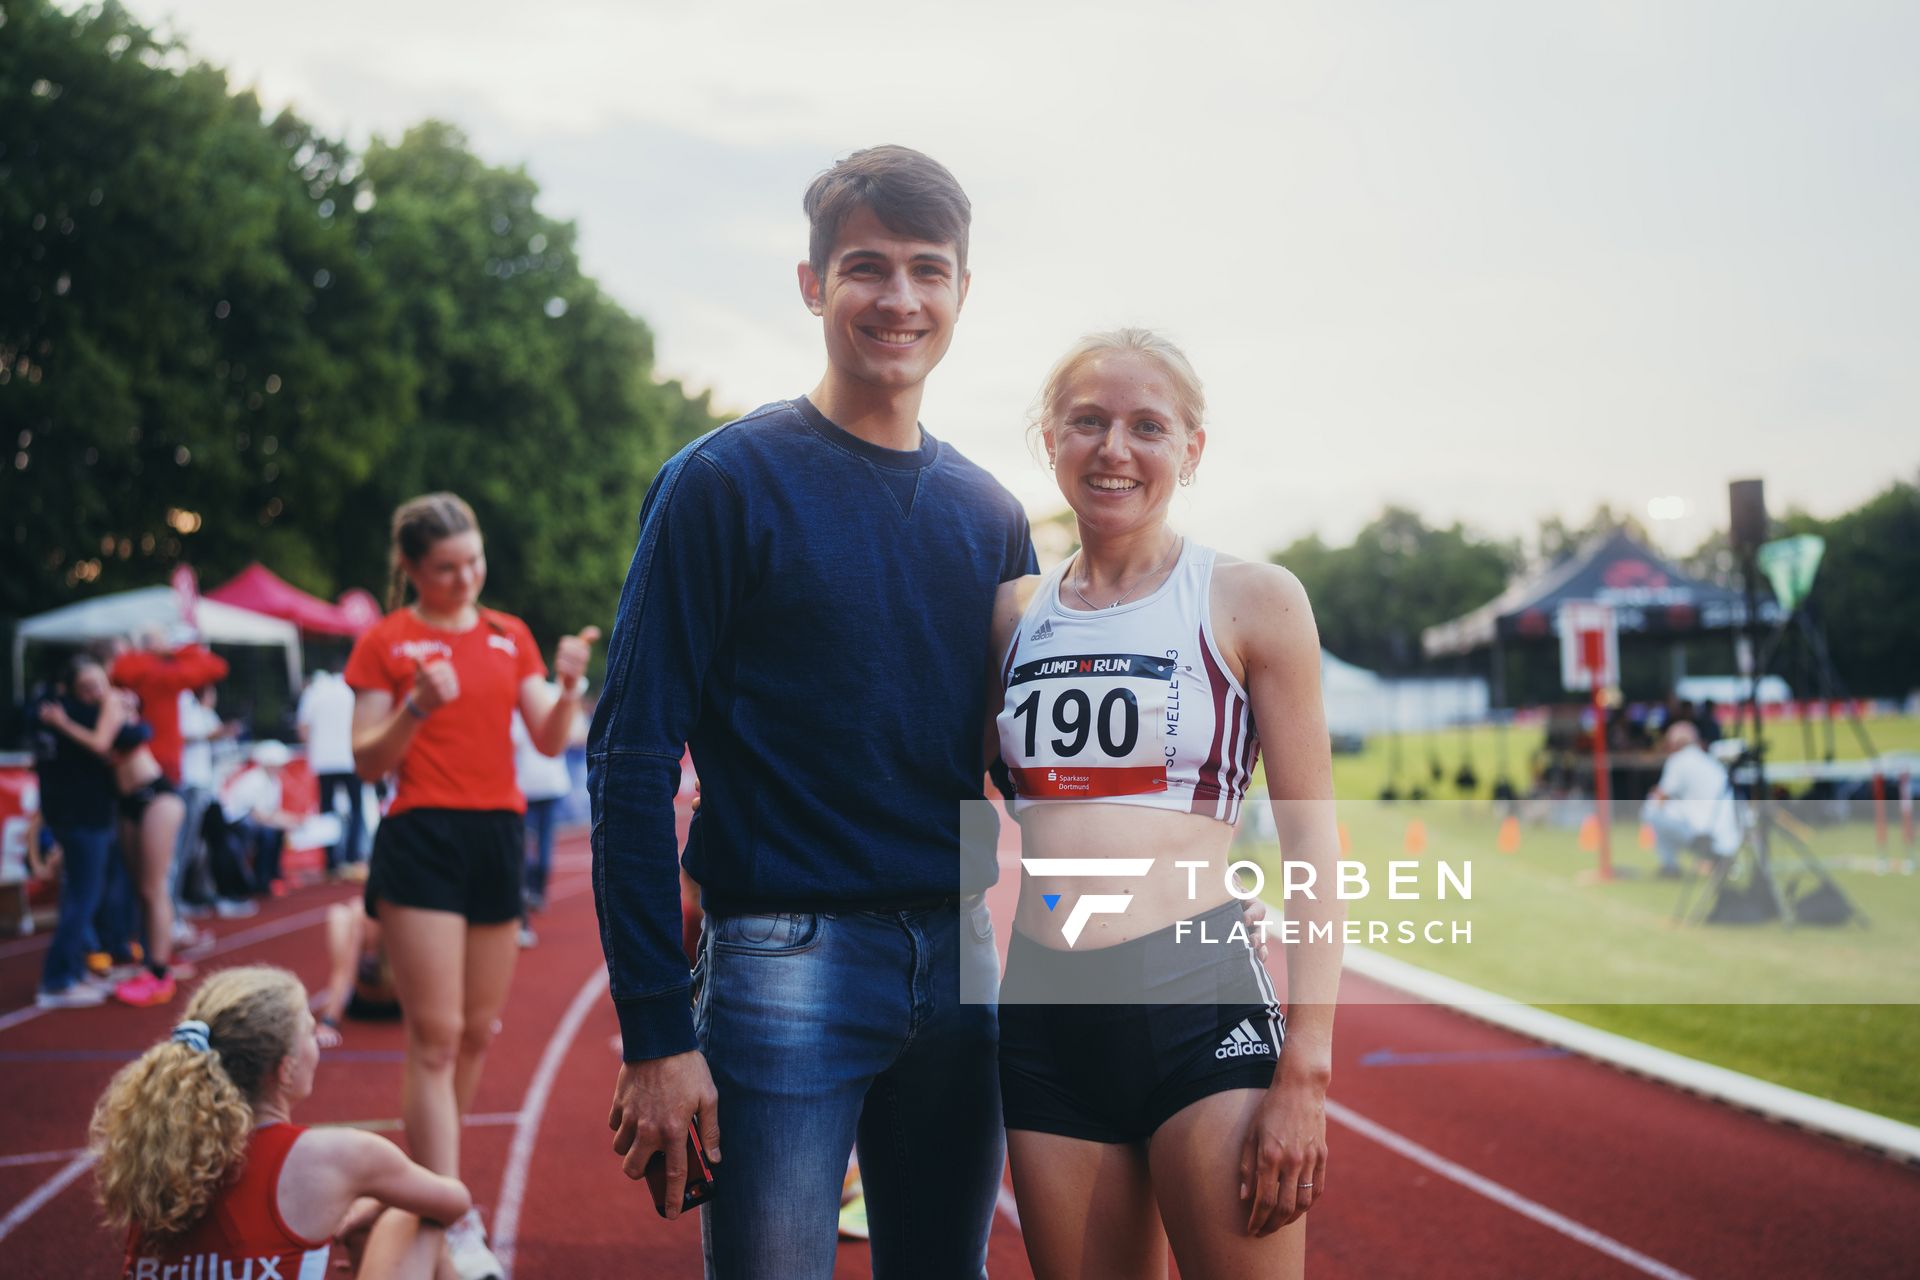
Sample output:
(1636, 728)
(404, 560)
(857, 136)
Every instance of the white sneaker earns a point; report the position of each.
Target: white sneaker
(235, 908)
(81, 995)
(467, 1250)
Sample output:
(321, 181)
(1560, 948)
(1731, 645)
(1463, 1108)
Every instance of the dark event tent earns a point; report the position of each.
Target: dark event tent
(1651, 599)
(260, 589)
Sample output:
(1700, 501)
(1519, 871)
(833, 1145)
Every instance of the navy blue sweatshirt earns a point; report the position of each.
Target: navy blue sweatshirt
(810, 614)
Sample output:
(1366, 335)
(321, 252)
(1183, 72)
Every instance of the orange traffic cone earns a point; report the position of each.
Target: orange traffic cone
(1590, 834)
(1646, 836)
(1416, 838)
(1509, 834)
(1346, 841)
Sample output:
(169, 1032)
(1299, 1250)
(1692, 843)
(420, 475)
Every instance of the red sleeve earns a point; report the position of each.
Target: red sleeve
(130, 668)
(198, 667)
(531, 663)
(364, 668)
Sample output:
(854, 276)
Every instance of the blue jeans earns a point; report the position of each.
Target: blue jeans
(823, 1030)
(352, 845)
(187, 880)
(84, 855)
(1672, 833)
(542, 815)
(117, 922)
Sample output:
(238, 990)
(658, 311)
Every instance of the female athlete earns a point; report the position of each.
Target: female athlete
(200, 1161)
(436, 685)
(1154, 1092)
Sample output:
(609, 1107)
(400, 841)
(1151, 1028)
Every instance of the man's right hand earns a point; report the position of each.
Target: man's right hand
(652, 1103)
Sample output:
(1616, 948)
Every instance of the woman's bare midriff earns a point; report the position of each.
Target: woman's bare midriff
(1090, 830)
(134, 769)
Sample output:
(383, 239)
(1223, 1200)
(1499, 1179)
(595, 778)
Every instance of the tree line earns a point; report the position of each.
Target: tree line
(1400, 575)
(226, 338)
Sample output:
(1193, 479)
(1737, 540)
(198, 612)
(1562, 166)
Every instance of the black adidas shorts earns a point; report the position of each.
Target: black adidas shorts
(1208, 1021)
(467, 861)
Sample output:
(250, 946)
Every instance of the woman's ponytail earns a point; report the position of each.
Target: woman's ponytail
(173, 1126)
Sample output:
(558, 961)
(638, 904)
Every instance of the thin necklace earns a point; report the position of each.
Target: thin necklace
(1154, 573)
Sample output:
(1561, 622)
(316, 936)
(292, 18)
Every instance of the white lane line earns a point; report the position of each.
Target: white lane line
(1503, 1196)
(490, 1119)
(513, 1185)
(245, 938)
(40, 1157)
(38, 942)
(1822, 1115)
(84, 1158)
(1009, 1209)
(44, 1192)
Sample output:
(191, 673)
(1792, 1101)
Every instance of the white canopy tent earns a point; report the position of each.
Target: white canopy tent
(1361, 701)
(1356, 700)
(128, 612)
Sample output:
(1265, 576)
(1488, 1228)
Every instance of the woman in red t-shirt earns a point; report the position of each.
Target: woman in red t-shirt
(436, 684)
(200, 1161)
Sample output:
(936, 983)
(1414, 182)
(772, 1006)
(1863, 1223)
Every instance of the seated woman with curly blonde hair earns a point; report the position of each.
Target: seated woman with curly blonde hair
(201, 1162)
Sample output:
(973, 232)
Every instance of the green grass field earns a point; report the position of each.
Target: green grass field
(1484, 746)
(1831, 1011)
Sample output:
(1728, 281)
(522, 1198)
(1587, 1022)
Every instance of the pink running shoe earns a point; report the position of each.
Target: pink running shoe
(145, 990)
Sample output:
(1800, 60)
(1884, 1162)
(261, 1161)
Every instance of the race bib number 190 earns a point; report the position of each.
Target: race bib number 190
(1087, 725)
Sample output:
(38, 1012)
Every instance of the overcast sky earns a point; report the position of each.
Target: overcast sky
(1491, 260)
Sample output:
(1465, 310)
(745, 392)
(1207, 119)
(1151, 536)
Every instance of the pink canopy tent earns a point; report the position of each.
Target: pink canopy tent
(260, 589)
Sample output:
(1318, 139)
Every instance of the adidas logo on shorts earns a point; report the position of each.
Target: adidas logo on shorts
(1243, 1042)
(1043, 632)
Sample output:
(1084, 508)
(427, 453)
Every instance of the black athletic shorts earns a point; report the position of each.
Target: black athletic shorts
(1205, 1020)
(134, 804)
(467, 861)
(363, 1010)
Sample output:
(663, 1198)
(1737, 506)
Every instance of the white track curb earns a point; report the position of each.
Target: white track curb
(1778, 1102)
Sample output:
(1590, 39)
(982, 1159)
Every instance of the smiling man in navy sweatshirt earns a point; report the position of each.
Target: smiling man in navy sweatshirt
(808, 609)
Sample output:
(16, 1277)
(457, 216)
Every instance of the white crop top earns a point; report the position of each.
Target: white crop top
(1131, 705)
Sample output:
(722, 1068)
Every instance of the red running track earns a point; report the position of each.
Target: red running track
(1458, 1149)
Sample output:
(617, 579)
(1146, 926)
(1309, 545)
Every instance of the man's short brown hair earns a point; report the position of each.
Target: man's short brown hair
(912, 195)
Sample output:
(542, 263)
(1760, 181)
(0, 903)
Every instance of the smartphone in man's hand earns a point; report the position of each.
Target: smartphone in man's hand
(699, 1188)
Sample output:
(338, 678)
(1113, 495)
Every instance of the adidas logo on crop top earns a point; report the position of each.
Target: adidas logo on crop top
(1131, 705)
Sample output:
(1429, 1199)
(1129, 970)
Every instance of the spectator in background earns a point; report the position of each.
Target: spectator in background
(325, 718)
(1708, 723)
(1694, 799)
(157, 674)
(150, 813)
(545, 781)
(359, 979)
(76, 803)
(200, 728)
(199, 1161)
(256, 815)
